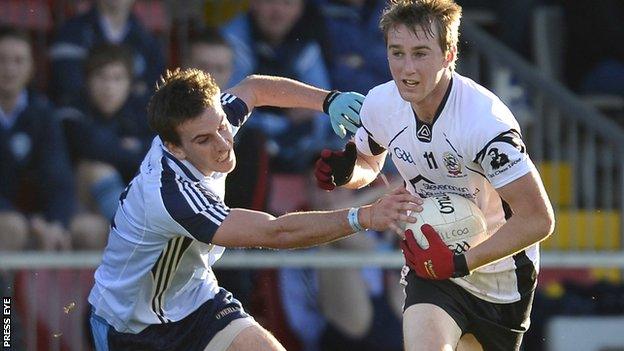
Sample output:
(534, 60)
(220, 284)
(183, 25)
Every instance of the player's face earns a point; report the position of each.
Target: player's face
(416, 61)
(207, 142)
(16, 65)
(109, 87)
(213, 59)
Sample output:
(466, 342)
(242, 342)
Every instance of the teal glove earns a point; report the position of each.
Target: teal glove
(344, 111)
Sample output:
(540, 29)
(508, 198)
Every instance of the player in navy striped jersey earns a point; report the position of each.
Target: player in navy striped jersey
(446, 133)
(155, 289)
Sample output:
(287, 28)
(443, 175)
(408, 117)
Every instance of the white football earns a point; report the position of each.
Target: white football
(459, 222)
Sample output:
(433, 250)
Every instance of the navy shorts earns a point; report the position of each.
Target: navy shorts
(191, 333)
(498, 327)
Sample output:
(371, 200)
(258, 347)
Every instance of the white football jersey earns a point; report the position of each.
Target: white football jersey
(156, 267)
(472, 147)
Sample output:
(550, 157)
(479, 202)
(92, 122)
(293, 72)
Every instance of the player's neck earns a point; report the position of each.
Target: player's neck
(427, 107)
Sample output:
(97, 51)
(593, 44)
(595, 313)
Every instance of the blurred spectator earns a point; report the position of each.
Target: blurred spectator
(108, 21)
(357, 51)
(106, 134)
(36, 191)
(105, 124)
(246, 185)
(513, 18)
(346, 308)
(275, 38)
(594, 63)
(209, 51)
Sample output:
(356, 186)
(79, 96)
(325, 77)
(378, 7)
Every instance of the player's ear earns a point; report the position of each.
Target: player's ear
(450, 55)
(175, 150)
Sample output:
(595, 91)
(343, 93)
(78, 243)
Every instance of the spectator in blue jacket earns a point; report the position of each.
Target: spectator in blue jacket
(210, 52)
(274, 38)
(106, 22)
(107, 136)
(357, 51)
(36, 187)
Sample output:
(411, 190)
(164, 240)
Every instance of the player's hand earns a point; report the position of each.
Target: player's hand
(344, 111)
(335, 168)
(436, 262)
(391, 211)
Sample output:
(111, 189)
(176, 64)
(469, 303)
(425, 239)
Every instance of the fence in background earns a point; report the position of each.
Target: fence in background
(51, 288)
(578, 150)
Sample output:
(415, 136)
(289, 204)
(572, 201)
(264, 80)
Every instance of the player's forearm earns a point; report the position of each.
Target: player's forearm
(518, 233)
(304, 229)
(283, 92)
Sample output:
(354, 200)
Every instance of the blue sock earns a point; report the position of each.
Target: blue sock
(106, 193)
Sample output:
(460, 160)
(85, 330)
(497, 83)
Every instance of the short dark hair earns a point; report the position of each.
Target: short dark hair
(180, 96)
(104, 54)
(15, 33)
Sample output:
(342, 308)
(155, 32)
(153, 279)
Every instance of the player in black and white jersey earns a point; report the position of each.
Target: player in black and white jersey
(155, 289)
(446, 133)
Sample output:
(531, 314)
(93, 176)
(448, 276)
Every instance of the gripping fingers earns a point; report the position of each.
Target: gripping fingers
(395, 228)
(407, 218)
(338, 128)
(351, 120)
(399, 190)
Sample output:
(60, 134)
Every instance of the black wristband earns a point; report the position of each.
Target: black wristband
(328, 100)
(461, 266)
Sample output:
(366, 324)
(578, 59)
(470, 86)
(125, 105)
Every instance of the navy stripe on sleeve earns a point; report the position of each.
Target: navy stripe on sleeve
(235, 109)
(200, 215)
(181, 165)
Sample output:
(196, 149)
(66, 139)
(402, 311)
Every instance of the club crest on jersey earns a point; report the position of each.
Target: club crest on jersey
(424, 133)
(452, 165)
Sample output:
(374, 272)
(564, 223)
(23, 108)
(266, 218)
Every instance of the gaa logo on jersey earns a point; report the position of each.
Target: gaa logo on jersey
(452, 165)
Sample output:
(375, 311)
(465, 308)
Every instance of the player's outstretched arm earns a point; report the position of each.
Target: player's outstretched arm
(532, 221)
(247, 228)
(342, 108)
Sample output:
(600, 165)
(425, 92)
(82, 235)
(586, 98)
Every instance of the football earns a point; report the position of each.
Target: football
(459, 222)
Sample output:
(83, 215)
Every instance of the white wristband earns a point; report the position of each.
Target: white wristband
(354, 222)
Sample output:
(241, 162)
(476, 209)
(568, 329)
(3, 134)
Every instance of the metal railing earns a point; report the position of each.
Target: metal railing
(579, 150)
(257, 259)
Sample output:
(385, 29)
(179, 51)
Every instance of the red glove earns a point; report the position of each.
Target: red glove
(437, 262)
(335, 168)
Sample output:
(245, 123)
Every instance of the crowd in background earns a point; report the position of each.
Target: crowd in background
(69, 150)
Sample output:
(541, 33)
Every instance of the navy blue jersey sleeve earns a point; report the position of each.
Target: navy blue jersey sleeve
(235, 109)
(190, 206)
